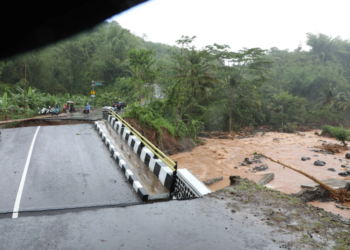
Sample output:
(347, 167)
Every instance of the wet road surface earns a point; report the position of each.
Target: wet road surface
(192, 224)
(149, 181)
(14, 147)
(70, 167)
(95, 114)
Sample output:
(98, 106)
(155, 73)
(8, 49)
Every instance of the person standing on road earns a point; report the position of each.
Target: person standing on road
(71, 108)
(87, 108)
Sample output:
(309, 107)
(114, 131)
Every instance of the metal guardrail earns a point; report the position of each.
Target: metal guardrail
(171, 164)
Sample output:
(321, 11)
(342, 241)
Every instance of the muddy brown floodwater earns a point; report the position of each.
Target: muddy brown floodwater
(219, 157)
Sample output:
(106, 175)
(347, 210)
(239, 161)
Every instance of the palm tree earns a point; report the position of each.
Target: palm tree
(344, 102)
(201, 74)
(141, 62)
(329, 98)
(328, 101)
(195, 75)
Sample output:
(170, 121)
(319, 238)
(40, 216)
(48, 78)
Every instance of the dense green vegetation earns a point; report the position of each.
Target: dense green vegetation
(340, 133)
(213, 88)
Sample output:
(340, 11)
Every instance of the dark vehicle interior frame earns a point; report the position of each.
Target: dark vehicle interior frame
(29, 25)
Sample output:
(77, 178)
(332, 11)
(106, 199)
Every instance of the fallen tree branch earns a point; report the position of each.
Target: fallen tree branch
(340, 194)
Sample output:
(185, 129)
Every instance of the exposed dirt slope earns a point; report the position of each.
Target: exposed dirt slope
(169, 144)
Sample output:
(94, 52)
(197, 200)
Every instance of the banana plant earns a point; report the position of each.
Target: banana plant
(194, 126)
(5, 106)
(86, 99)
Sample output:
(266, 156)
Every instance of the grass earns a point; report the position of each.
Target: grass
(343, 241)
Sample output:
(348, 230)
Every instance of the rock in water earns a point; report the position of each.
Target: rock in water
(319, 163)
(248, 161)
(317, 133)
(347, 156)
(266, 179)
(344, 174)
(331, 169)
(343, 166)
(347, 187)
(305, 158)
(213, 180)
(261, 168)
(234, 179)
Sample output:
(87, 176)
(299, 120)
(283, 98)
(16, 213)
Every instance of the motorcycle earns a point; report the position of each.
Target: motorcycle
(54, 111)
(43, 111)
(48, 111)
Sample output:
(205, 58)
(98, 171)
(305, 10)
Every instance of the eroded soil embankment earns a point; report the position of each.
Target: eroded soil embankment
(168, 144)
(46, 122)
(220, 157)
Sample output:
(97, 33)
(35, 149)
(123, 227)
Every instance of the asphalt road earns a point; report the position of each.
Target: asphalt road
(71, 170)
(192, 224)
(14, 147)
(70, 167)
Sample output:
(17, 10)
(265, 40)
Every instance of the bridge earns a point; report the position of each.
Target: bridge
(102, 185)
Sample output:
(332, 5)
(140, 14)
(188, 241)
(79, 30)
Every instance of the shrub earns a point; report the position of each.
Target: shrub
(341, 134)
(327, 130)
(290, 127)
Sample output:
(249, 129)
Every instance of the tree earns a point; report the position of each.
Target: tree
(287, 108)
(245, 68)
(141, 62)
(195, 75)
(328, 102)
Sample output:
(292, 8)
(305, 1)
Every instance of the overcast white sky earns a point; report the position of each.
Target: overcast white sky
(238, 23)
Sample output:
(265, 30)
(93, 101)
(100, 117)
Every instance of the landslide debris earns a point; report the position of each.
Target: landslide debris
(313, 227)
(334, 148)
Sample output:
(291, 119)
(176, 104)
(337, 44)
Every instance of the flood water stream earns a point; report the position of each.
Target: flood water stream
(219, 157)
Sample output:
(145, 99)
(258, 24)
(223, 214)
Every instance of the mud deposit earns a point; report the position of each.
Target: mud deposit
(220, 157)
(313, 227)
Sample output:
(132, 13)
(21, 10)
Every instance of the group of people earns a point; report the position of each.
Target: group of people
(116, 107)
(69, 108)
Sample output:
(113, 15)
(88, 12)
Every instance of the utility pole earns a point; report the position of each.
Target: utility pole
(93, 88)
(24, 92)
(97, 83)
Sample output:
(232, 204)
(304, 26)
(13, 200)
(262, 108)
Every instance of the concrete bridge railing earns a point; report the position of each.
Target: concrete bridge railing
(181, 183)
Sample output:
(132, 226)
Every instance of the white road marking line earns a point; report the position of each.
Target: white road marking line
(24, 175)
